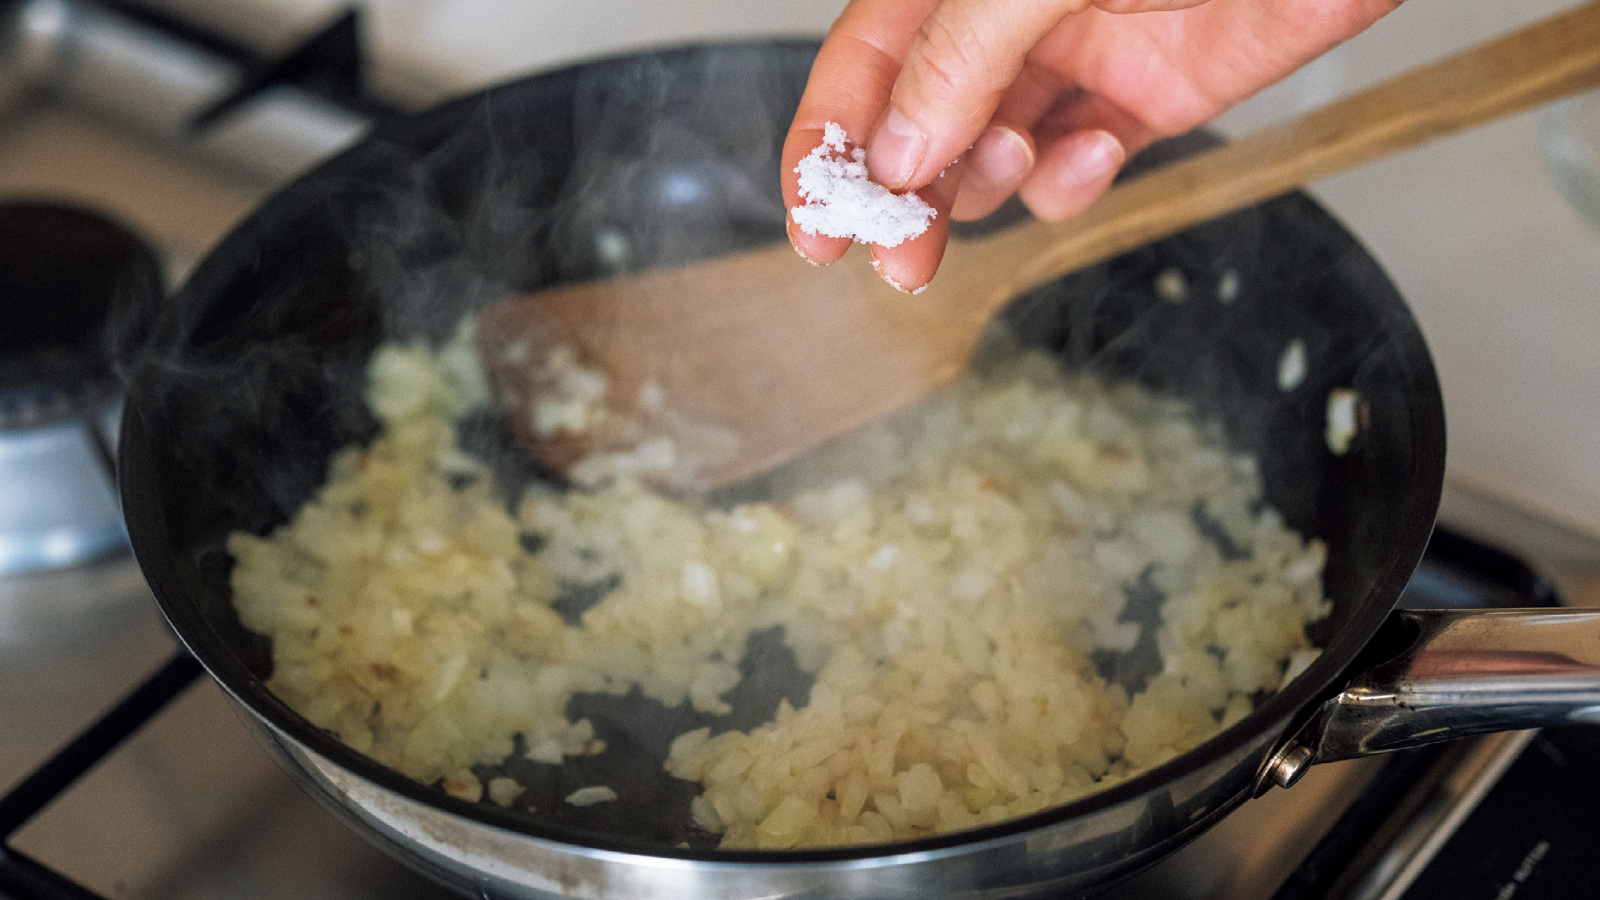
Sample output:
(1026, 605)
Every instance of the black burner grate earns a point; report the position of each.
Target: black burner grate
(25, 878)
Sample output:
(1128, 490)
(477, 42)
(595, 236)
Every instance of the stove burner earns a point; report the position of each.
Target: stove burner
(65, 274)
(68, 278)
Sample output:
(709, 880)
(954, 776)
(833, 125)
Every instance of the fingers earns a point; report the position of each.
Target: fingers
(922, 252)
(960, 62)
(849, 84)
(911, 265)
(992, 171)
(1006, 151)
(1073, 172)
(817, 249)
(1044, 98)
(1076, 144)
(924, 78)
(968, 59)
(908, 266)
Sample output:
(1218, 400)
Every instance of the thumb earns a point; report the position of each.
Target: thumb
(965, 55)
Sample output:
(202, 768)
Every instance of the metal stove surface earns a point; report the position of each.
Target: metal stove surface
(190, 807)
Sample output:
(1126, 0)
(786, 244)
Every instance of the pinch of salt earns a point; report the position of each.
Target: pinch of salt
(842, 201)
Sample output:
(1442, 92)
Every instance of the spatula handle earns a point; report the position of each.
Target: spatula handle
(1537, 64)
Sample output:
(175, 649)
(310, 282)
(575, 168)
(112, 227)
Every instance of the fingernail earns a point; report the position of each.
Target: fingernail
(878, 266)
(1072, 174)
(790, 228)
(1001, 157)
(895, 150)
(1096, 155)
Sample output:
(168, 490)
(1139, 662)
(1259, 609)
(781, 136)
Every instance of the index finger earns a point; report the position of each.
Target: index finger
(850, 83)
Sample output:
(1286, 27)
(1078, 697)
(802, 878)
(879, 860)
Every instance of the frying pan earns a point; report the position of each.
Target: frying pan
(253, 377)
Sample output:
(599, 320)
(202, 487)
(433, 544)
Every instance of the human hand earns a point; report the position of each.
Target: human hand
(970, 101)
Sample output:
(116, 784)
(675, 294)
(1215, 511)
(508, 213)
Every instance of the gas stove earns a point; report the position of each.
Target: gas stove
(127, 775)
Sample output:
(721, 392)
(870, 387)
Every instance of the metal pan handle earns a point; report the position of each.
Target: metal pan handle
(1460, 674)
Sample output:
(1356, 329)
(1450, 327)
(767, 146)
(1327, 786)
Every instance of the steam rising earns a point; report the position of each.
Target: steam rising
(254, 377)
(623, 165)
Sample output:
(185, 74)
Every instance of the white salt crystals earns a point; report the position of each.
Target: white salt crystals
(842, 201)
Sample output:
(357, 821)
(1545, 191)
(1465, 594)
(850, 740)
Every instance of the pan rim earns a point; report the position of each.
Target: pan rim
(137, 477)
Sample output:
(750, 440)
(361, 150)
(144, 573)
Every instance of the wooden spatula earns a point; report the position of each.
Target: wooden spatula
(747, 361)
